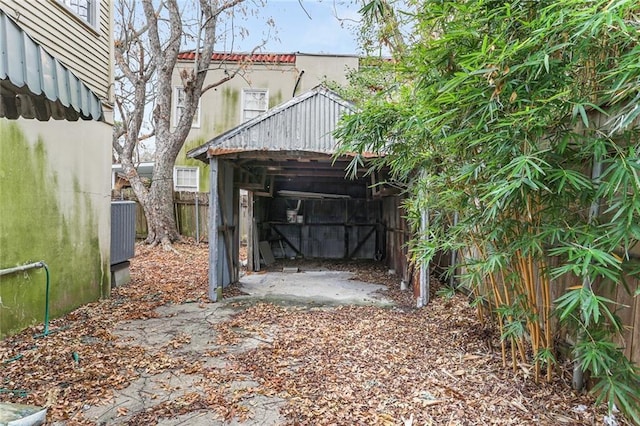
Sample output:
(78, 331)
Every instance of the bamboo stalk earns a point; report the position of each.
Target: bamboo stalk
(524, 288)
(547, 316)
(536, 338)
(507, 301)
(498, 302)
(498, 297)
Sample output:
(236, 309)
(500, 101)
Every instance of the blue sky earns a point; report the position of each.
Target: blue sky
(315, 29)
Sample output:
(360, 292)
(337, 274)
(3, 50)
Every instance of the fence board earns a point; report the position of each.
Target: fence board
(626, 306)
(624, 309)
(184, 211)
(634, 334)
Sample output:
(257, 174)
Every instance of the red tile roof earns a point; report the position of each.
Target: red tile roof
(277, 58)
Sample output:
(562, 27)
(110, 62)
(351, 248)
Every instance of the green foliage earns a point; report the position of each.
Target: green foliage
(497, 112)
(446, 292)
(590, 307)
(373, 75)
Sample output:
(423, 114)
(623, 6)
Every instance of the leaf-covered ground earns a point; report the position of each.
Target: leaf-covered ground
(346, 365)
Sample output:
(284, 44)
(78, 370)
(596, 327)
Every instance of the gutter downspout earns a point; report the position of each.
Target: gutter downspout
(295, 88)
(26, 267)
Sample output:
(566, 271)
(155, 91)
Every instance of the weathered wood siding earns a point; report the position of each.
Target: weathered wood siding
(397, 235)
(626, 307)
(192, 218)
(184, 210)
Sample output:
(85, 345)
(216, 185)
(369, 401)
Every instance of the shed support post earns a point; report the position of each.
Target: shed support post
(213, 229)
(250, 231)
(423, 299)
(197, 217)
(235, 243)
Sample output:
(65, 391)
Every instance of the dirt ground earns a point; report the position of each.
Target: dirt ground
(157, 352)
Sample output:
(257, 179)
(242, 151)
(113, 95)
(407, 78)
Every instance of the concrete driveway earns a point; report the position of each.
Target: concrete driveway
(313, 287)
(192, 325)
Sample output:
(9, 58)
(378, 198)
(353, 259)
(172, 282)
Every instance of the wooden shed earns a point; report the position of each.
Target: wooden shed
(301, 201)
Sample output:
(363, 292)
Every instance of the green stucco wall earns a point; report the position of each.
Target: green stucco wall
(275, 99)
(183, 160)
(231, 105)
(224, 119)
(36, 225)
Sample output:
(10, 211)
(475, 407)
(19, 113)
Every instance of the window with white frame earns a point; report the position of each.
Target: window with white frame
(186, 179)
(87, 10)
(179, 106)
(254, 103)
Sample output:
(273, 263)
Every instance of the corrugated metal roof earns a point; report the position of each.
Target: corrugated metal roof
(34, 84)
(272, 58)
(304, 123)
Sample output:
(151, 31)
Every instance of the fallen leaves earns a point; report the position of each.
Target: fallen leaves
(356, 365)
(81, 362)
(368, 365)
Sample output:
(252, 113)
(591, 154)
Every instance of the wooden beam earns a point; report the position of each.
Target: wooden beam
(264, 193)
(251, 222)
(250, 186)
(235, 219)
(338, 174)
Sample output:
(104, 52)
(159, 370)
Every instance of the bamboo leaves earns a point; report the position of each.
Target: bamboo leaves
(507, 108)
(586, 261)
(579, 109)
(591, 307)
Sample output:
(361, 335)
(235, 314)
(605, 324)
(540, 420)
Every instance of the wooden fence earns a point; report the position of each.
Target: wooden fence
(192, 214)
(625, 305)
(191, 211)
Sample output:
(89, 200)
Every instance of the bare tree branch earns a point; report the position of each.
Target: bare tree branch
(149, 35)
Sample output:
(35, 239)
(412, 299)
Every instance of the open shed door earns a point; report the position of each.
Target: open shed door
(223, 228)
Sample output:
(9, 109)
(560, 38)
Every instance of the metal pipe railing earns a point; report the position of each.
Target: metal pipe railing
(21, 268)
(26, 267)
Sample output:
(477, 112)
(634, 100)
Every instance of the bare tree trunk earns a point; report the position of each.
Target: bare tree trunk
(146, 54)
(161, 223)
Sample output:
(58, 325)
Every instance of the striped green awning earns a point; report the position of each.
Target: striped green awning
(34, 84)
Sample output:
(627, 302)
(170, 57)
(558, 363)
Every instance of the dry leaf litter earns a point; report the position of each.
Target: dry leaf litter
(348, 365)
